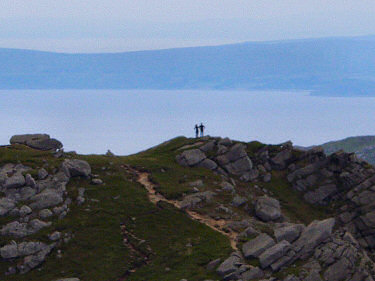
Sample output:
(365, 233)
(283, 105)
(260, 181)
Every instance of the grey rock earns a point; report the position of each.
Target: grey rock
(225, 142)
(9, 251)
(320, 194)
(6, 205)
(35, 225)
(267, 209)
(226, 186)
(55, 236)
(193, 200)
(30, 248)
(25, 210)
(229, 265)
(76, 168)
(20, 194)
(15, 181)
(96, 181)
(274, 253)
(221, 149)
(37, 141)
(252, 274)
(207, 147)
(255, 247)
(197, 183)
(338, 271)
(250, 175)
(289, 233)
(240, 166)
(42, 174)
(208, 164)
(314, 234)
(47, 198)
(15, 229)
(45, 213)
(191, 157)
(29, 180)
(280, 160)
(32, 261)
(212, 265)
(313, 276)
(239, 201)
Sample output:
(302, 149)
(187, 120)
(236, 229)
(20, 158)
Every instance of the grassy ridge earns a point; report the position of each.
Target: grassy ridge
(97, 251)
(363, 146)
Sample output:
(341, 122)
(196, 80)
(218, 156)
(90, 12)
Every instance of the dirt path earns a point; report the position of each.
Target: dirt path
(217, 225)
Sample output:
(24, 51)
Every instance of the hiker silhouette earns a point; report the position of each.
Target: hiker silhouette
(196, 130)
(201, 128)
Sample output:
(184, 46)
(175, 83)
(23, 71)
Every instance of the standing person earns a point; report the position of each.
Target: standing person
(201, 128)
(196, 130)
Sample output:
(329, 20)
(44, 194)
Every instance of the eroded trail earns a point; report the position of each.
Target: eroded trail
(218, 225)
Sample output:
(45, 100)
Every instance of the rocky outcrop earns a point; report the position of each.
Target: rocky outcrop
(37, 141)
(30, 205)
(229, 158)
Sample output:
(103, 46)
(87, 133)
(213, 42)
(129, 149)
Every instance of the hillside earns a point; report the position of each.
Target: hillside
(362, 146)
(332, 66)
(193, 209)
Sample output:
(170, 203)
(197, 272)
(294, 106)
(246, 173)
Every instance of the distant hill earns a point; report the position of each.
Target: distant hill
(328, 66)
(363, 146)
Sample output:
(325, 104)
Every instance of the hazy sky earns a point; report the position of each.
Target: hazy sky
(115, 25)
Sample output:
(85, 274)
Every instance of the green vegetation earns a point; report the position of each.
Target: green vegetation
(363, 146)
(176, 246)
(292, 203)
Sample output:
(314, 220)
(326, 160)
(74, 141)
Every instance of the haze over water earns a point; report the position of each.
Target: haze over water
(92, 121)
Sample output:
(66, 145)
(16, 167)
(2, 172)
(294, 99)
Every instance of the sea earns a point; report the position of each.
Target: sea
(129, 121)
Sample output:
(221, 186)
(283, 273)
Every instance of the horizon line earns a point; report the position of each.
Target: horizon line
(369, 36)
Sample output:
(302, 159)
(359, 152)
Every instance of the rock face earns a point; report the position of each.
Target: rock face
(274, 253)
(37, 141)
(254, 248)
(25, 201)
(267, 209)
(313, 235)
(191, 157)
(230, 159)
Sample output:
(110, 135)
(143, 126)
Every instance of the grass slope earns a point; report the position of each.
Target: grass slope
(97, 251)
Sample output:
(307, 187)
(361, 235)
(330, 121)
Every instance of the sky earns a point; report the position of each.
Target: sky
(86, 26)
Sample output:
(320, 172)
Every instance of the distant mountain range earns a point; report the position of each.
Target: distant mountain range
(363, 146)
(327, 66)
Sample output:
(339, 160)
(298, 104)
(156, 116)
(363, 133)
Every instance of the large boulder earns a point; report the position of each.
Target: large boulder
(274, 253)
(229, 265)
(15, 181)
(47, 198)
(313, 235)
(37, 141)
(193, 200)
(190, 157)
(76, 168)
(267, 209)
(289, 233)
(6, 205)
(255, 247)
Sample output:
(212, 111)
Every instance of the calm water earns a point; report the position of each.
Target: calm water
(129, 121)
